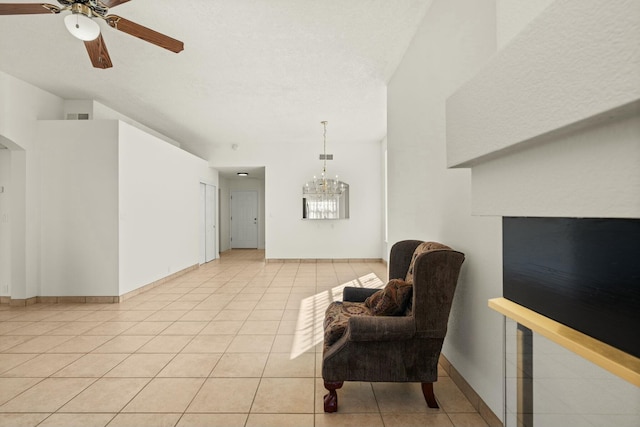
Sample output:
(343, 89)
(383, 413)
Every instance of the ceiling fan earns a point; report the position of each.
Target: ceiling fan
(80, 23)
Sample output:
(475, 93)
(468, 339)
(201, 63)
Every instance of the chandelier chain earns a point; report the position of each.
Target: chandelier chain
(324, 166)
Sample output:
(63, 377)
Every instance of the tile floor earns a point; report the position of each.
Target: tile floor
(233, 343)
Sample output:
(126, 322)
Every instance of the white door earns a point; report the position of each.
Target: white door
(207, 222)
(210, 223)
(203, 221)
(244, 219)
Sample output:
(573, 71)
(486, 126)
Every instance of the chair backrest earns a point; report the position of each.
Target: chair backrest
(400, 258)
(435, 276)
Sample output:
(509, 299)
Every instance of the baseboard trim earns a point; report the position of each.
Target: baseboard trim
(78, 300)
(485, 412)
(94, 299)
(158, 282)
(321, 260)
(22, 302)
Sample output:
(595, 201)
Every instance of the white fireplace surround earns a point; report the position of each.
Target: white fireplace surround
(551, 125)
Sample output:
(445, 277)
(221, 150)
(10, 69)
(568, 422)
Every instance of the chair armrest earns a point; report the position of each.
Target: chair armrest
(380, 328)
(353, 294)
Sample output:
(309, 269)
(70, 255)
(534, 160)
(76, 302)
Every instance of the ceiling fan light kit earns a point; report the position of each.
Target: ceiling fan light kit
(81, 24)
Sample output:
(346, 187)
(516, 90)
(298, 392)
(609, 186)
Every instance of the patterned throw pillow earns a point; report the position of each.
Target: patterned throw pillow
(337, 317)
(373, 299)
(392, 300)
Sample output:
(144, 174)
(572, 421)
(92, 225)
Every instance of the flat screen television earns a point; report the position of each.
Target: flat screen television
(582, 272)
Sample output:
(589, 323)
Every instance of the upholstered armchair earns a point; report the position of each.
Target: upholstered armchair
(403, 344)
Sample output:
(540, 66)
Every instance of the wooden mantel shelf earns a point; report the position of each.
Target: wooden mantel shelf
(607, 357)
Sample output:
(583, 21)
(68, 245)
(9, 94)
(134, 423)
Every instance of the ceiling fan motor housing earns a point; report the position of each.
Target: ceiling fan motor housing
(86, 7)
(82, 9)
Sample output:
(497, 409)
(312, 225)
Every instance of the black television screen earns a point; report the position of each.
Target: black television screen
(582, 272)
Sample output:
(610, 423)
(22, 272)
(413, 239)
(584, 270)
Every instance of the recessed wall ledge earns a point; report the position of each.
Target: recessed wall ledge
(555, 134)
(575, 65)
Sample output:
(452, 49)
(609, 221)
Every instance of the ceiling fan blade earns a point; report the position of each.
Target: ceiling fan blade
(98, 53)
(144, 33)
(27, 8)
(112, 3)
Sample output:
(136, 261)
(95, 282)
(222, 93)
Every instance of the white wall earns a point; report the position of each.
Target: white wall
(120, 207)
(159, 207)
(224, 215)
(514, 15)
(384, 253)
(581, 151)
(63, 209)
(592, 172)
(21, 105)
(287, 168)
(579, 161)
(80, 106)
(102, 112)
(79, 207)
(586, 171)
(427, 200)
(25, 249)
(576, 65)
(5, 230)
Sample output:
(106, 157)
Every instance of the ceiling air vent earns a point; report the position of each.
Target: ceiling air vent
(77, 116)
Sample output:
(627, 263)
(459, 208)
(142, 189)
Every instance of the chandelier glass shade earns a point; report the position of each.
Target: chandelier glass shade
(327, 186)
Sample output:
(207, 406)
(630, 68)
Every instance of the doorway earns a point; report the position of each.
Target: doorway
(208, 212)
(5, 225)
(244, 220)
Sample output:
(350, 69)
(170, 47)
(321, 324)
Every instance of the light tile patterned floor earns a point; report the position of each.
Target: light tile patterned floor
(233, 343)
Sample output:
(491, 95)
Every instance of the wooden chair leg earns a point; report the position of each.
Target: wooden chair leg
(427, 391)
(331, 399)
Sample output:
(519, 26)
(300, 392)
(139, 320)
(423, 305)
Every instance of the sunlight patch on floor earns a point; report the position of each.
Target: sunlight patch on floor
(309, 328)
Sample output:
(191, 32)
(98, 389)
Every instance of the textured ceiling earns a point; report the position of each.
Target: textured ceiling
(253, 71)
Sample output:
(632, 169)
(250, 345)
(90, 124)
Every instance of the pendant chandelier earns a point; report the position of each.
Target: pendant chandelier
(323, 184)
(324, 197)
